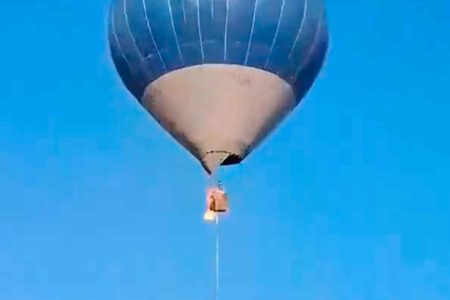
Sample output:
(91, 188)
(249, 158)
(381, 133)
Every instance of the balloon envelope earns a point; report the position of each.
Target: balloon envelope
(218, 75)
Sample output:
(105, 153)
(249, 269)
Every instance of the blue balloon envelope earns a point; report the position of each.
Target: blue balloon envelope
(218, 75)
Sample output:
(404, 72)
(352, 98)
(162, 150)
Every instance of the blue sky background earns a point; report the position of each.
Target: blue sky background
(348, 200)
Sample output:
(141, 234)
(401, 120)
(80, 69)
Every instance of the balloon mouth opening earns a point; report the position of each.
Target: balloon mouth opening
(215, 159)
(232, 159)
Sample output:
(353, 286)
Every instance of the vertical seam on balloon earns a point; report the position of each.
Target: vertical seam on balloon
(119, 47)
(250, 39)
(174, 30)
(212, 9)
(183, 10)
(225, 43)
(311, 49)
(125, 13)
(276, 33)
(199, 25)
(152, 36)
(300, 29)
(116, 38)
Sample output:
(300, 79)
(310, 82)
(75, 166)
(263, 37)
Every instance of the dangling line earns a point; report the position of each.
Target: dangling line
(217, 257)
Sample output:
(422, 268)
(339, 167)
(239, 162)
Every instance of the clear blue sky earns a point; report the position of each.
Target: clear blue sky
(348, 200)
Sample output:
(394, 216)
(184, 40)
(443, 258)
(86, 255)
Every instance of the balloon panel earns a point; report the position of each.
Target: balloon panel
(150, 38)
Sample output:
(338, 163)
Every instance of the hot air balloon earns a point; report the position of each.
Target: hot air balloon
(218, 75)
